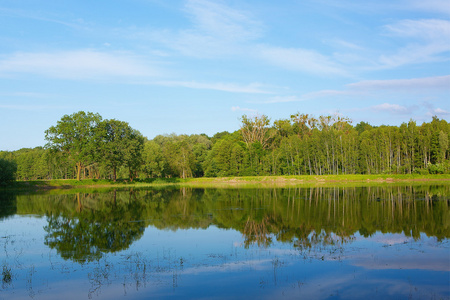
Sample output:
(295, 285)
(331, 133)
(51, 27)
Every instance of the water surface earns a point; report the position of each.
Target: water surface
(313, 243)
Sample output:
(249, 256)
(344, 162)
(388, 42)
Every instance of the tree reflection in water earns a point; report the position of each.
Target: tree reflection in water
(85, 225)
(94, 230)
(96, 226)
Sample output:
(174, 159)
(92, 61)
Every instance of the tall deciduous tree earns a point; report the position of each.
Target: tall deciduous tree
(180, 157)
(75, 136)
(134, 147)
(255, 129)
(120, 145)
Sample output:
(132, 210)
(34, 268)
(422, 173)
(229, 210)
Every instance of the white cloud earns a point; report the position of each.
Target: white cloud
(435, 6)
(427, 41)
(312, 95)
(393, 108)
(441, 111)
(237, 108)
(431, 29)
(254, 88)
(438, 82)
(78, 24)
(32, 107)
(370, 87)
(339, 43)
(298, 59)
(28, 95)
(218, 20)
(329, 93)
(438, 112)
(219, 30)
(283, 99)
(80, 64)
(216, 30)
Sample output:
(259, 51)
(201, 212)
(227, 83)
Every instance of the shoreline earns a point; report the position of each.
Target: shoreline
(223, 182)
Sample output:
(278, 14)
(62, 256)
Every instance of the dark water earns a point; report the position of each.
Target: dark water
(293, 243)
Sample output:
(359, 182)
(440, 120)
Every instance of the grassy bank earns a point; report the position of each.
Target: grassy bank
(278, 181)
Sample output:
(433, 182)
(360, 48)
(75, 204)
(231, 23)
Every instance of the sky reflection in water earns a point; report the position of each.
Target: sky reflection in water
(210, 256)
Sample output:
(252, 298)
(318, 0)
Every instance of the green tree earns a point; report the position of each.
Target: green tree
(8, 170)
(154, 163)
(201, 144)
(180, 157)
(32, 164)
(76, 137)
(443, 146)
(255, 129)
(362, 126)
(133, 152)
(120, 145)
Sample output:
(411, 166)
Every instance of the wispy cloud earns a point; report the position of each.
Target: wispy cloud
(219, 30)
(32, 107)
(253, 88)
(80, 64)
(28, 95)
(438, 112)
(392, 108)
(435, 6)
(216, 30)
(46, 17)
(298, 59)
(430, 29)
(372, 87)
(330, 93)
(426, 41)
(339, 43)
(310, 96)
(237, 108)
(283, 99)
(218, 20)
(413, 84)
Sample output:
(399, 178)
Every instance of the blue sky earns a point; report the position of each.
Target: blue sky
(197, 66)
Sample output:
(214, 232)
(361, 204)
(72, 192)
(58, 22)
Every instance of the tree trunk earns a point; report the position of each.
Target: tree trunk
(79, 166)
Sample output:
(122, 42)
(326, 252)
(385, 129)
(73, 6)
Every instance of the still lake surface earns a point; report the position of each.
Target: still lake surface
(385, 242)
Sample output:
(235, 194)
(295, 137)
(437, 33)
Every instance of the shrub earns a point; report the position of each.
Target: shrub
(436, 168)
(421, 171)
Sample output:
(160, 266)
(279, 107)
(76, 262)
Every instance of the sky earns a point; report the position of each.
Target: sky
(197, 66)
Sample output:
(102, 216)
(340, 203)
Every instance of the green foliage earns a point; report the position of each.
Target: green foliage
(120, 145)
(154, 163)
(82, 145)
(8, 169)
(76, 136)
(363, 126)
(255, 129)
(439, 168)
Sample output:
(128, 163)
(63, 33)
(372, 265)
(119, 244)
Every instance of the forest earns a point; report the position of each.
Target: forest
(83, 145)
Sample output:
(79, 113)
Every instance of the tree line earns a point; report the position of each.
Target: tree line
(83, 145)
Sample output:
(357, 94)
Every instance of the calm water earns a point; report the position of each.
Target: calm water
(309, 243)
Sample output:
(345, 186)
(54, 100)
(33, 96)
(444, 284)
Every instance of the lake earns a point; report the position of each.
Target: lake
(372, 242)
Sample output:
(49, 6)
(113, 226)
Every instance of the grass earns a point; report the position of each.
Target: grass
(246, 181)
(6, 275)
